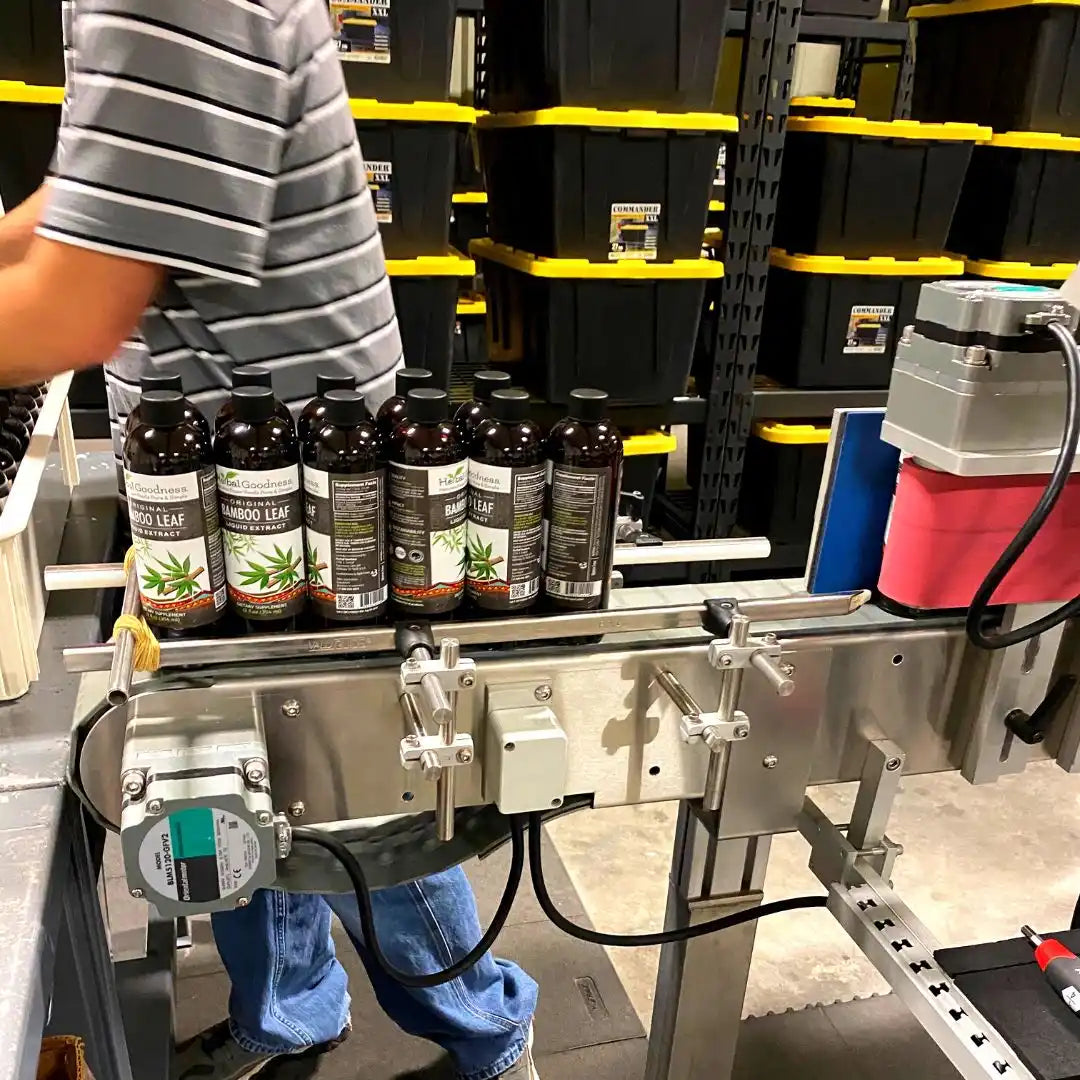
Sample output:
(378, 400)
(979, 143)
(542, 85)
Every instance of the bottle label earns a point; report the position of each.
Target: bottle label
(428, 554)
(346, 543)
(506, 513)
(177, 541)
(579, 532)
(262, 527)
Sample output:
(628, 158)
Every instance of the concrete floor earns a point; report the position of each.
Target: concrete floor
(977, 863)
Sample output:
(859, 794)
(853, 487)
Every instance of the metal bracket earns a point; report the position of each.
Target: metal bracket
(282, 836)
(452, 679)
(443, 756)
(709, 728)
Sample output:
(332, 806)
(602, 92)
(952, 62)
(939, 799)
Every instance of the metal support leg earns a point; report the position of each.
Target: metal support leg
(87, 1004)
(880, 782)
(694, 1033)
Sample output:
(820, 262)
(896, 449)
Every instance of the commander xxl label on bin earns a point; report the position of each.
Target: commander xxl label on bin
(199, 855)
(346, 542)
(428, 556)
(174, 525)
(263, 530)
(362, 31)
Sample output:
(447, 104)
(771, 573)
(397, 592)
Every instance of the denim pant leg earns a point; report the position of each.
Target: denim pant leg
(288, 989)
(481, 1019)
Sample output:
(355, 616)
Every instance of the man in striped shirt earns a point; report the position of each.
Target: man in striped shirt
(208, 189)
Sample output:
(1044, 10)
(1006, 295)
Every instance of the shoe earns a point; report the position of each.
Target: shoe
(215, 1055)
(524, 1068)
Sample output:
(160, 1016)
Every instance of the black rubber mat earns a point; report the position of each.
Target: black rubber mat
(1005, 984)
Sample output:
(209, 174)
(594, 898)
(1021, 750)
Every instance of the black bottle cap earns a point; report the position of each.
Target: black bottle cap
(161, 381)
(345, 408)
(427, 405)
(325, 382)
(163, 408)
(487, 381)
(252, 375)
(253, 404)
(412, 378)
(588, 405)
(510, 406)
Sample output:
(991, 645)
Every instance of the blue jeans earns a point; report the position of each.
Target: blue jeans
(289, 991)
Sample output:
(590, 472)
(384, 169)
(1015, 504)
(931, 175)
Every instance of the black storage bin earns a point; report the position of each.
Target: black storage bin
(857, 187)
(833, 322)
(1018, 203)
(1052, 276)
(395, 50)
(604, 186)
(612, 54)
(781, 477)
(409, 153)
(468, 176)
(29, 120)
(868, 9)
(425, 299)
(468, 220)
(32, 42)
(643, 458)
(627, 328)
(1015, 68)
(812, 105)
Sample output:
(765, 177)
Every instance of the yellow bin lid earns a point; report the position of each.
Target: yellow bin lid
(472, 305)
(1019, 271)
(652, 442)
(812, 101)
(928, 266)
(792, 434)
(453, 265)
(971, 7)
(568, 116)
(890, 129)
(470, 197)
(20, 93)
(627, 270)
(421, 112)
(1036, 140)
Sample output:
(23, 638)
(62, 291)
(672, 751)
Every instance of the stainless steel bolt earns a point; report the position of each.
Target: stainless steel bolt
(264, 817)
(770, 639)
(413, 740)
(787, 669)
(242, 901)
(542, 692)
(464, 755)
(893, 764)
(412, 663)
(297, 809)
(138, 893)
(291, 708)
(133, 782)
(741, 731)
(770, 761)
(467, 680)
(726, 661)
(907, 334)
(155, 806)
(255, 770)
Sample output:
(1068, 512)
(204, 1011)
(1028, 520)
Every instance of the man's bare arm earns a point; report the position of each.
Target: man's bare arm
(66, 307)
(17, 228)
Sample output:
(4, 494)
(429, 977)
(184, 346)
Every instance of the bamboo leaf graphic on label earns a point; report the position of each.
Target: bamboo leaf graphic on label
(481, 563)
(238, 544)
(314, 567)
(175, 580)
(278, 571)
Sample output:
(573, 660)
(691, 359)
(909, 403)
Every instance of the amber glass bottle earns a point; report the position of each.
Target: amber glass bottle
(155, 381)
(313, 412)
(392, 411)
(428, 482)
(345, 513)
(472, 414)
(172, 501)
(586, 455)
(258, 474)
(507, 481)
(251, 375)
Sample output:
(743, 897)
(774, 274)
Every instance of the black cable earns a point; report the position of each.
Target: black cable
(667, 937)
(355, 872)
(1043, 508)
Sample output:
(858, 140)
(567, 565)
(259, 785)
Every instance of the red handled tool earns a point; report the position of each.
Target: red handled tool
(1061, 967)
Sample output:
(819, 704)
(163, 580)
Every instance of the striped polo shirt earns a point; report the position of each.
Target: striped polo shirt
(214, 137)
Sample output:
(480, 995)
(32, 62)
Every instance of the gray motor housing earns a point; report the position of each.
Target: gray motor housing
(975, 390)
(201, 836)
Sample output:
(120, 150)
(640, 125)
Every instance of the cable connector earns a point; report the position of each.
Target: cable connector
(1059, 313)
